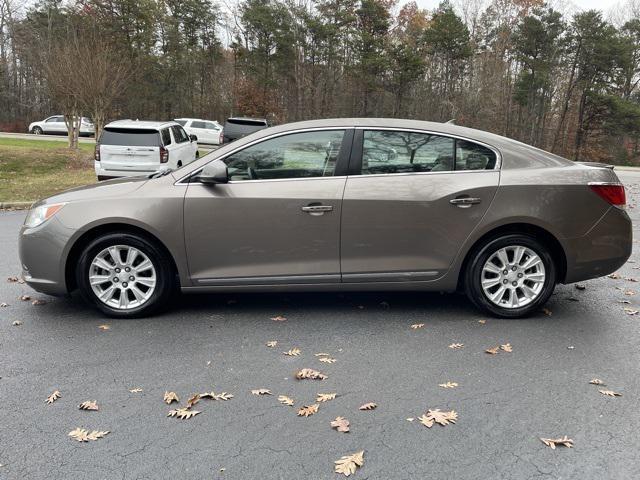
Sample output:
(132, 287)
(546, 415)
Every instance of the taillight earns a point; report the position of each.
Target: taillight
(613, 193)
(164, 155)
(97, 154)
(221, 138)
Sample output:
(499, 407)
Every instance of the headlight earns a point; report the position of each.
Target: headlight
(37, 216)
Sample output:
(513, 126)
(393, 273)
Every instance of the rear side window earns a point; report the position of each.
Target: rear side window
(197, 124)
(210, 126)
(133, 137)
(471, 156)
(179, 134)
(166, 137)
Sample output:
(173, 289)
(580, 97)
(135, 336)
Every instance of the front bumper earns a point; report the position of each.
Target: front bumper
(602, 250)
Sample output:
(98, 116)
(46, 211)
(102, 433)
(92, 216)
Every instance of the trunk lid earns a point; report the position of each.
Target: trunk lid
(133, 149)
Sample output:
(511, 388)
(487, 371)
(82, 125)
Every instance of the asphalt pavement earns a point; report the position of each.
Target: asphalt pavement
(505, 402)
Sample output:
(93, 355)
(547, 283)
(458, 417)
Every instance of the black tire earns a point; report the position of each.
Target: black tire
(164, 271)
(36, 131)
(473, 275)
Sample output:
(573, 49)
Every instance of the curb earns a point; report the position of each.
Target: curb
(15, 205)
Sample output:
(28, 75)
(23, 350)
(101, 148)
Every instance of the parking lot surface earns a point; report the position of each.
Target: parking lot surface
(505, 402)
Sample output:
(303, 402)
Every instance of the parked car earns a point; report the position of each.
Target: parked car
(345, 204)
(208, 131)
(238, 127)
(132, 147)
(55, 125)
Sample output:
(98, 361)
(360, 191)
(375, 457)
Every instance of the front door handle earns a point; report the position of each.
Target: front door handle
(317, 209)
(464, 202)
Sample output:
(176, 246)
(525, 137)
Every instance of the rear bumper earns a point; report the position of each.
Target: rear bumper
(107, 174)
(603, 250)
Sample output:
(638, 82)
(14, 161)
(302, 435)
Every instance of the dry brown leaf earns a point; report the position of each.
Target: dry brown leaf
(610, 393)
(278, 318)
(170, 397)
(104, 327)
(482, 322)
(321, 354)
(456, 346)
(193, 399)
(547, 312)
(580, 286)
(325, 397)
(12, 279)
(294, 352)
(448, 385)
(82, 435)
(416, 326)
(283, 399)
(89, 405)
(442, 418)
(272, 343)
(552, 442)
(4, 304)
(629, 293)
(596, 381)
(348, 464)
(308, 410)
(368, 406)
(506, 348)
(217, 396)
(53, 397)
(614, 276)
(17, 323)
(261, 391)
(183, 413)
(327, 360)
(136, 390)
(630, 311)
(25, 298)
(493, 350)
(308, 373)
(37, 301)
(341, 424)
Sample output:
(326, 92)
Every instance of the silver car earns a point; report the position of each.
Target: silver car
(344, 204)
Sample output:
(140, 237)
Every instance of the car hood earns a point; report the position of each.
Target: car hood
(109, 188)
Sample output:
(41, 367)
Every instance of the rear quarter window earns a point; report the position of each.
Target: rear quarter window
(133, 137)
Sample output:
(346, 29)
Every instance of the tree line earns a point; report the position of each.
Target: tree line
(565, 82)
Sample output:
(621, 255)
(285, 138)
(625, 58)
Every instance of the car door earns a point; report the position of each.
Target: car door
(183, 149)
(277, 220)
(414, 200)
(198, 128)
(54, 125)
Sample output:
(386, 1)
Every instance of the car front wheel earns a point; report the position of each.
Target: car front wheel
(510, 276)
(36, 131)
(125, 275)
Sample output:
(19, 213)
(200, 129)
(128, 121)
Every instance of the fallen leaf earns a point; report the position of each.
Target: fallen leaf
(284, 400)
(294, 352)
(272, 343)
(53, 397)
(442, 418)
(613, 276)
(170, 397)
(610, 393)
(4, 304)
(482, 322)
(195, 398)
(25, 298)
(224, 396)
(629, 279)
(183, 413)
(410, 419)
(278, 318)
(506, 348)
(341, 424)
(17, 323)
(580, 286)
(321, 354)
(456, 346)
(308, 410)
(325, 397)
(348, 464)
(135, 390)
(448, 385)
(12, 279)
(82, 435)
(629, 293)
(261, 391)
(547, 312)
(630, 311)
(493, 350)
(368, 406)
(308, 373)
(416, 326)
(89, 405)
(327, 360)
(626, 302)
(37, 301)
(596, 381)
(552, 442)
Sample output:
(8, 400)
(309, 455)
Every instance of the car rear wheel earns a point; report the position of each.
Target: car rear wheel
(510, 276)
(36, 131)
(125, 275)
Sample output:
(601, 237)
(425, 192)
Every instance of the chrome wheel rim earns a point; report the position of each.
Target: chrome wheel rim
(513, 277)
(122, 277)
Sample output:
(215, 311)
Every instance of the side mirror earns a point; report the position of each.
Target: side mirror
(193, 138)
(214, 172)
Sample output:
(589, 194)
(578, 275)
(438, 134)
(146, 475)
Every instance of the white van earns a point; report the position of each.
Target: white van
(132, 147)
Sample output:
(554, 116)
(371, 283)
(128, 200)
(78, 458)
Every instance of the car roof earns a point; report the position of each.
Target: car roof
(253, 119)
(142, 124)
(189, 119)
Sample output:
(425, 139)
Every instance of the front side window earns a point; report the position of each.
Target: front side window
(179, 134)
(405, 152)
(298, 155)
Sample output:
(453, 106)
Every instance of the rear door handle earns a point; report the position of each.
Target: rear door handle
(464, 202)
(317, 209)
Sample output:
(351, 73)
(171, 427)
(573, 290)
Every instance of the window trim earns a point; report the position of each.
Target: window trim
(342, 163)
(355, 161)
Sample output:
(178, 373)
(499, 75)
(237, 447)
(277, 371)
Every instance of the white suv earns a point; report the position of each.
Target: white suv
(207, 131)
(55, 125)
(131, 147)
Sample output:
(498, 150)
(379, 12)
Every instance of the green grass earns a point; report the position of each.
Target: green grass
(34, 169)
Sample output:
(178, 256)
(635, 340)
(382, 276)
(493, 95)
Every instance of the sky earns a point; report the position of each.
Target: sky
(604, 5)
